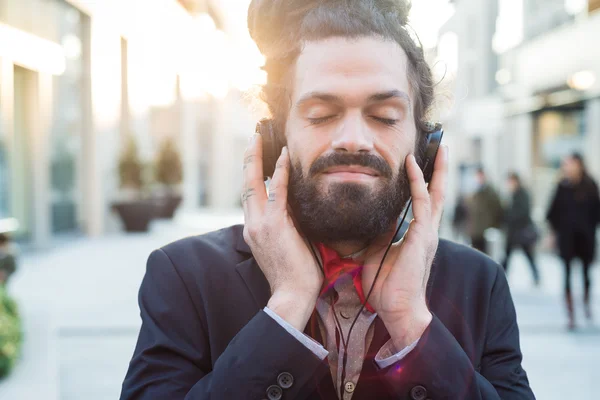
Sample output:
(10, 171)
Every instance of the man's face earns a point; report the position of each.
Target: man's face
(349, 130)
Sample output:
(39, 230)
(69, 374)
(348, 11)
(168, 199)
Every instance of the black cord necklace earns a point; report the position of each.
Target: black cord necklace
(345, 341)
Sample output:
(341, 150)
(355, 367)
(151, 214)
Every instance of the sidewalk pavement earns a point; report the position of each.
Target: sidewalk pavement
(81, 317)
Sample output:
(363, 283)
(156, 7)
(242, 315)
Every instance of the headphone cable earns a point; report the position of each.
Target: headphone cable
(337, 322)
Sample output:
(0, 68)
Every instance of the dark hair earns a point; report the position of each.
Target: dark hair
(280, 27)
(515, 177)
(480, 170)
(577, 157)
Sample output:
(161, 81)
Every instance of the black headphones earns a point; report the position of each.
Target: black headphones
(273, 144)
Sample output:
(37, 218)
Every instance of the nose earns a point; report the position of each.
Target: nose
(353, 135)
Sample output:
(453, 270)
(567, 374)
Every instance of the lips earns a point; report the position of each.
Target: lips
(350, 169)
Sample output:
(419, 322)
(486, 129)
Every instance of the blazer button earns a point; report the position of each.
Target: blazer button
(285, 380)
(418, 393)
(274, 392)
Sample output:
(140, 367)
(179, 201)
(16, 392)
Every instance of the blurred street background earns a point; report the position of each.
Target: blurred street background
(123, 125)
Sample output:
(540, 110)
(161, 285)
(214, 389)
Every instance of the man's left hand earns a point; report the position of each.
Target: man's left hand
(399, 293)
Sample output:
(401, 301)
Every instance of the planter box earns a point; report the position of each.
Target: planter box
(136, 214)
(167, 205)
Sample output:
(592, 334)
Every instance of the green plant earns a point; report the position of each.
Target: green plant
(169, 169)
(11, 335)
(130, 166)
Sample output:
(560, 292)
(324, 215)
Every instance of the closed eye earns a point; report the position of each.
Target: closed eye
(320, 120)
(386, 121)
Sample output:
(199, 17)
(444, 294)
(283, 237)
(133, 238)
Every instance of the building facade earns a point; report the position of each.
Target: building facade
(77, 77)
(545, 101)
(472, 115)
(552, 100)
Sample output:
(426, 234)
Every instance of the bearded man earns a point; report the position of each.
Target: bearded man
(297, 303)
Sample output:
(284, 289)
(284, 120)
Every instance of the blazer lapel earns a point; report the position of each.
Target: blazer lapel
(252, 275)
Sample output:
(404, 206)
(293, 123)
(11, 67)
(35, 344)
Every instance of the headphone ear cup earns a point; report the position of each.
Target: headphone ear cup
(270, 146)
(434, 139)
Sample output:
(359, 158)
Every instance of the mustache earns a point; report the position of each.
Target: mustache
(346, 159)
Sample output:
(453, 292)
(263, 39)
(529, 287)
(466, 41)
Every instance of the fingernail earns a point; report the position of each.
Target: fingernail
(284, 151)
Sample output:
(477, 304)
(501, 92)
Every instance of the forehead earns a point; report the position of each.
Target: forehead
(351, 68)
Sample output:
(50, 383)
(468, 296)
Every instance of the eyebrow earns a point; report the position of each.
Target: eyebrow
(375, 98)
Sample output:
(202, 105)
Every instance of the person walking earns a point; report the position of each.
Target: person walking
(8, 264)
(485, 212)
(460, 218)
(574, 214)
(520, 229)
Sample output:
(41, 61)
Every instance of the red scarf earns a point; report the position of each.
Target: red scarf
(334, 267)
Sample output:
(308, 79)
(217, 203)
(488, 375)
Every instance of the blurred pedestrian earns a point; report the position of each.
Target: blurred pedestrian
(8, 263)
(485, 211)
(574, 214)
(520, 229)
(460, 218)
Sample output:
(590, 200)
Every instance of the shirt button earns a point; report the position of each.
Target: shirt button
(274, 392)
(285, 380)
(418, 393)
(349, 387)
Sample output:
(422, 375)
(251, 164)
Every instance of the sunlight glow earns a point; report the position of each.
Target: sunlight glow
(31, 52)
(212, 62)
(509, 25)
(427, 17)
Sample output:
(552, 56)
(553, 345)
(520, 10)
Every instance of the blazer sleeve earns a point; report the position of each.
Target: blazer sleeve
(172, 357)
(439, 368)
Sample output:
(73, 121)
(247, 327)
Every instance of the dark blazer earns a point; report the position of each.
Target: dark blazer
(204, 334)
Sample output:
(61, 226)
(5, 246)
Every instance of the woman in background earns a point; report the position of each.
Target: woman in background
(574, 214)
(520, 230)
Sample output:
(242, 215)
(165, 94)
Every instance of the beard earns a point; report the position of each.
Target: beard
(348, 212)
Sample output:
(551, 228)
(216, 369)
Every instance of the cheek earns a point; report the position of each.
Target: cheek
(305, 146)
(395, 152)
(300, 155)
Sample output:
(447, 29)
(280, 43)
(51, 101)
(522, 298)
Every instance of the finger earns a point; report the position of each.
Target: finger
(437, 186)
(254, 194)
(278, 189)
(418, 189)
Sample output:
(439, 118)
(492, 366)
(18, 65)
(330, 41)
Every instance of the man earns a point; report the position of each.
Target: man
(485, 212)
(247, 312)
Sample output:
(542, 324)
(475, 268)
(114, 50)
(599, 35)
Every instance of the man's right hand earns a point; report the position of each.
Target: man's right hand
(281, 252)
